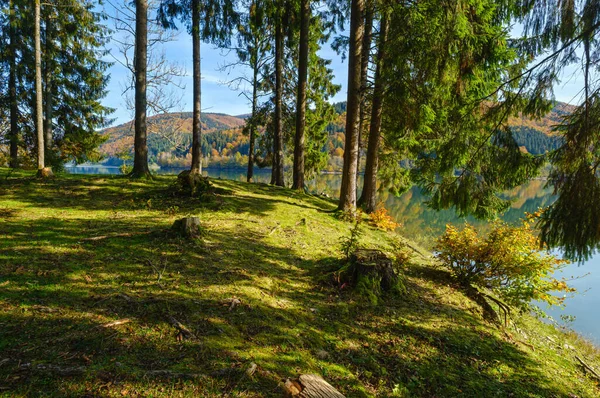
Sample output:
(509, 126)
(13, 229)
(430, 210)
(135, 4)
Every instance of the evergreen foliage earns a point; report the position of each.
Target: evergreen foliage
(75, 79)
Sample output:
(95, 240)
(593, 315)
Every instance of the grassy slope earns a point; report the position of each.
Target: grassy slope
(264, 245)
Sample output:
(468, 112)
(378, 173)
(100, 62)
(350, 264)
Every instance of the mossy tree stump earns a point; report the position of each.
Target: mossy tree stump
(193, 184)
(372, 273)
(187, 226)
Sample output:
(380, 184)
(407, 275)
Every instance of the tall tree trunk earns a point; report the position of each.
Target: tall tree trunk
(140, 159)
(48, 87)
(277, 171)
(364, 70)
(369, 193)
(348, 189)
(12, 89)
(250, 173)
(196, 123)
(39, 116)
(301, 100)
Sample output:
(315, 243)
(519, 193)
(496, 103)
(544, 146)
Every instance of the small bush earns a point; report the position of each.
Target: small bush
(349, 244)
(381, 219)
(506, 262)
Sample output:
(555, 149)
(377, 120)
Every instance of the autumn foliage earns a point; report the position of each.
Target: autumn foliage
(381, 219)
(506, 262)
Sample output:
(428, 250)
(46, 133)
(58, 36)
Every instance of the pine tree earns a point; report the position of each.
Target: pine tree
(72, 81)
(554, 31)
(299, 144)
(369, 192)
(212, 21)
(140, 158)
(348, 188)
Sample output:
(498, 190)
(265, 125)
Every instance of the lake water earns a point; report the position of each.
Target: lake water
(422, 225)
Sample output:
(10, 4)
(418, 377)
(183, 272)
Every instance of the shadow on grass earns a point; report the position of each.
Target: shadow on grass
(60, 291)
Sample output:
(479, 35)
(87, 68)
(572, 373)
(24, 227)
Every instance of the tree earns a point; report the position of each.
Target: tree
(140, 159)
(348, 188)
(277, 168)
(39, 122)
(364, 83)
(563, 34)
(215, 21)
(12, 86)
(368, 197)
(253, 51)
(72, 78)
(298, 170)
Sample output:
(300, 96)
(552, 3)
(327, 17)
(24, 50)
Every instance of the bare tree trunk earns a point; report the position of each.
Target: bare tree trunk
(12, 89)
(369, 193)
(250, 173)
(140, 159)
(348, 189)
(39, 115)
(48, 88)
(364, 67)
(196, 123)
(301, 100)
(277, 171)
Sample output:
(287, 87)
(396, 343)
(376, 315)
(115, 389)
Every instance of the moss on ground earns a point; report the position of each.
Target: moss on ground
(80, 252)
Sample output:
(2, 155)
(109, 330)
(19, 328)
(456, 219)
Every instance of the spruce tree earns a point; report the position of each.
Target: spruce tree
(560, 34)
(212, 20)
(348, 188)
(140, 158)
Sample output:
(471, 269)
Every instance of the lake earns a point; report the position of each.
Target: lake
(422, 225)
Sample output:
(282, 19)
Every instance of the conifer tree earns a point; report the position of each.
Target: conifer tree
(560, 34)
(348, 188)
(140, 158)
(369, 193)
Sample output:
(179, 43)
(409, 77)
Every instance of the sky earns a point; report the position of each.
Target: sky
(217, 97)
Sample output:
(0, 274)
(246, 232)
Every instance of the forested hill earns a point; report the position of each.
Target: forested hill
(223, 143)
(168, 126)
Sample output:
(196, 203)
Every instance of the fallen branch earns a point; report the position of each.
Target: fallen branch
(115, 323)
(273, 230)
(173, 375)
(588, 368)
(54, 369)
(183, 331)
(121, 235)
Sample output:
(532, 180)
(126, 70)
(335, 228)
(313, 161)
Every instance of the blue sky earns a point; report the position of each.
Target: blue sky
(217, 97)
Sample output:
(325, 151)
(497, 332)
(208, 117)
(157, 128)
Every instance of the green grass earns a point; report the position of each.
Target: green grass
(270, 248)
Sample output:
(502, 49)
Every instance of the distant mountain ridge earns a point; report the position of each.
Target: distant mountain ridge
(223, 132)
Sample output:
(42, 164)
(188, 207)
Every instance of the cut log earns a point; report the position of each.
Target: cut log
(310, 386)
(188, 227)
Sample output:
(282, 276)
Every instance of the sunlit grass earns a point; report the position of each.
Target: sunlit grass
(80, 252)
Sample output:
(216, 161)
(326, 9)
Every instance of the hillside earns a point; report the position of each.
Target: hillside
(91, 281)
(224, 144)
(167, 124)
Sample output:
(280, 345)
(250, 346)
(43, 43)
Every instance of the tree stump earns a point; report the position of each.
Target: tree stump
(374, 264)
(193, 184)
(46, 172)
(187, 226)
(310, 386)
